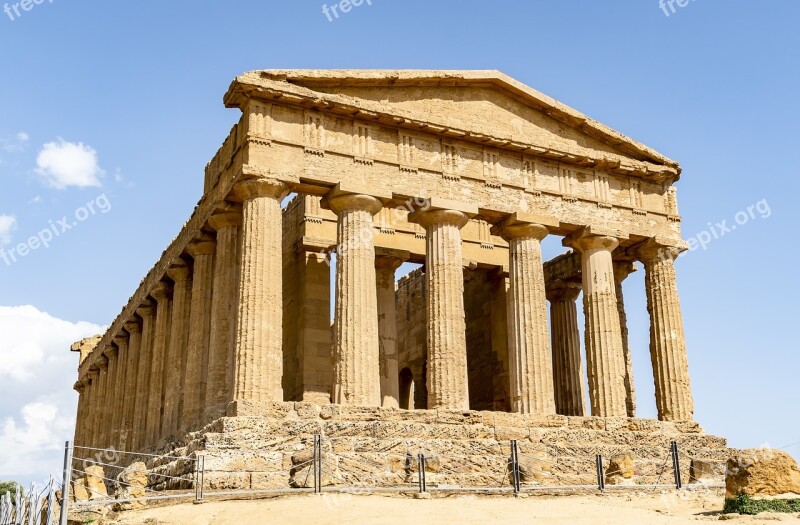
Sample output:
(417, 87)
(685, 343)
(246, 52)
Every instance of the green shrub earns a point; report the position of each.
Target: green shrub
(9, 486)
(744, 504)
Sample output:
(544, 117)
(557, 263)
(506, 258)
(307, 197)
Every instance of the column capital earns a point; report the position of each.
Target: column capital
(251, 178)
(79, 387)
(111, 351)
(594, 238)
(121, 341)
(262, 186)
(443, 211)
(161, 291)
(146, 309)
(203, 244)
(390, 259)
(225, 219)
(101, 362)
(132, 327)
(522, 225)
(179, 272)
(563, 291)
(622, 269)
(660, 249)
(93, 372)
(347, 196)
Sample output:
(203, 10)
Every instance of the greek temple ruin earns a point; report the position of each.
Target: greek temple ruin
(462, 172)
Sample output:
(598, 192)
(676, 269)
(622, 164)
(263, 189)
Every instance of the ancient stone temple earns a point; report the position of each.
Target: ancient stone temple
(238, 328)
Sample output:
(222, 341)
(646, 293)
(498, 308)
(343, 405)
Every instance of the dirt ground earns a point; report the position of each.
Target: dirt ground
(611, 509)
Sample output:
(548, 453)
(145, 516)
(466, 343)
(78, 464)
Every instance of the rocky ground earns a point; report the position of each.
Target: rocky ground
(612, 509)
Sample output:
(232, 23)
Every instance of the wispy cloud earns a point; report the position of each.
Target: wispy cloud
(7, 224)
(63, 164)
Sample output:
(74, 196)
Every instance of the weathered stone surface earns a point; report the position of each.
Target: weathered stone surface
(620, 470)
(706, 471)
(132, 484)
(95, 482)
(762, 473)
(79, 492)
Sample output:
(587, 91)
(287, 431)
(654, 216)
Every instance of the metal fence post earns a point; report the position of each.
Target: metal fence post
(601, 482)
(676, 464)
(317, 464)
(202, 475)
(423, 488)
(515, 472)
(65, 483)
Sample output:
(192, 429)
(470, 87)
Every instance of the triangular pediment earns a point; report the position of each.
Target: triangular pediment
(485, 103)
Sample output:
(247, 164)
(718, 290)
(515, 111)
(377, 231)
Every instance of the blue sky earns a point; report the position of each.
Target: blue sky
(119, 104)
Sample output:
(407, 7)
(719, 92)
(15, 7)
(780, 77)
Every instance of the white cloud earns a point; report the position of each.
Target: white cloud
(31, 339)
(15, 145)
(63, 164)
(7, 224)
(38, 371)
(30, 447)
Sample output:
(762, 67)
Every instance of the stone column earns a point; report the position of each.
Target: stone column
(101, 404)
(80, 422)
(356, 343)
(448, 385)
(385, 268)
(223, 313)
(622, 269)
(566, 345)
(120, 386)
(175, 363)
(155, 399)
(257, 362)
(604, 354)
(194, 388)
(112, 434)
(147, 312)
(530, 358)
(667, 344)
(132, 381)
(90, 436)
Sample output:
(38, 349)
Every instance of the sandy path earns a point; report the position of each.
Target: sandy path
(633, 509)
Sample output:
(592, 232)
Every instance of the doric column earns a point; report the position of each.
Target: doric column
(101, 403)
(80, 422)
(604, 355)
(194, 388)
(385, 267)
(223, 312)
(257, 362)
(175, 363)
(530, 358)
(568, 376)
(90, 435)
(356, 345)
(147, 312)
(112, 385)
(155, 399)
(448, 385)
(622, 269)
(120, 384)
(667, 344)
(133, 351)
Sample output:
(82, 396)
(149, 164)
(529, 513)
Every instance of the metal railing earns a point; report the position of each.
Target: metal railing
(185, 477)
